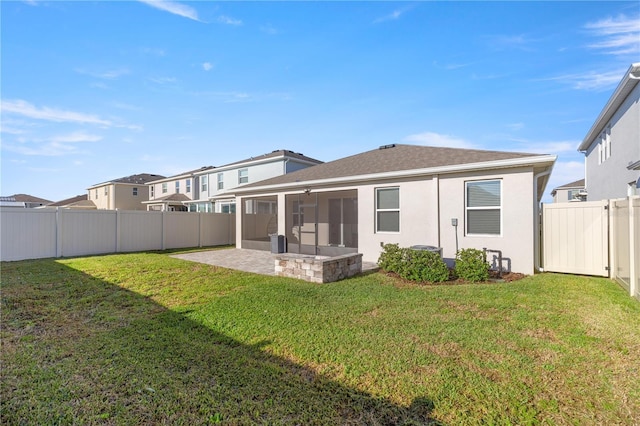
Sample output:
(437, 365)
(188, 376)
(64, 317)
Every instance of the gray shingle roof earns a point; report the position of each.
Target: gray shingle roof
(576, 184)
(139, 179)
(275, 154)
(396, 157)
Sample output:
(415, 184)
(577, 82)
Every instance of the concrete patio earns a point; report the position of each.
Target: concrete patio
(256, 261)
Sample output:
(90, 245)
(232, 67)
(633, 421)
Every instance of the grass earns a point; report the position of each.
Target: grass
(149, 339)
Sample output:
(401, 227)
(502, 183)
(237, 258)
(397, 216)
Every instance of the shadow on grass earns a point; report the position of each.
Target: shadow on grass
(77, 349)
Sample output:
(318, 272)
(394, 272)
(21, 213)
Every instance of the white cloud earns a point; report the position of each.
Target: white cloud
(207, 66)
(515, 126)
(551, 147)
(437, 139)
(75, 137)
(620, 35)
(163, 80)
(590, 80)
(223, 19)
(24, 108)
(396, 14)
(106, 75)
(269, 29)
(173, 7)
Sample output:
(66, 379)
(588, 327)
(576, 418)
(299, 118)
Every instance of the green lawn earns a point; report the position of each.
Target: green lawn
(149, 339)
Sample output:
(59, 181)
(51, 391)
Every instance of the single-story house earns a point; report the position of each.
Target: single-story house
(405, 194)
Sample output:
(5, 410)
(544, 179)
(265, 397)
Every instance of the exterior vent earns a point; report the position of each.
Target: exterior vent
(393, 145)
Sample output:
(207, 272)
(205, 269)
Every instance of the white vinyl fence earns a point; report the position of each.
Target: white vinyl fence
(594, 238)
(42, 233)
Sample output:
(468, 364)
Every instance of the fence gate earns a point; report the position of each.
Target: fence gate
(576, 238)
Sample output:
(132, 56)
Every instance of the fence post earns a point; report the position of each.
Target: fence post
(164, 232)
(633, 256)
(611, 249)
(118, 230)
(59, 230)
(199, 229)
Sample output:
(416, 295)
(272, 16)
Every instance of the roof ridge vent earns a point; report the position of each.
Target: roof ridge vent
(392, 145)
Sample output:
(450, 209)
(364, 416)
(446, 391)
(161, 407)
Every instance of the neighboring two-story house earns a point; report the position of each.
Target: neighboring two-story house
(23, 201)
(612, 145)
(126, 193)
(573, 191)
(174, 192)
(214, 184)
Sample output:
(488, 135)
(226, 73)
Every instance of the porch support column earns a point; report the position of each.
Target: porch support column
(282, 214)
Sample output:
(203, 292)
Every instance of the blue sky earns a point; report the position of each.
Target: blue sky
(93, 91)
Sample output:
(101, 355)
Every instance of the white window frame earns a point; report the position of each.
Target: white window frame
(220, 181)
(377, 210)
(243, 176)
(135, 191)
(188, 186)
(204, 183)
(164, 188)
(152, 191)
(177, 187)
(467, 208)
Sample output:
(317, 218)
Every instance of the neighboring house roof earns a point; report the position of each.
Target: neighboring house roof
(181, 175)
(139, 179)
(579, 184)
(275, 154)
(177, 198)
(25, 198)
(626, 86)
(77, 202)
(398, 160)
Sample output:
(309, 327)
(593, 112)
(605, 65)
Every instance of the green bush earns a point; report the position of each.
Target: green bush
(390, 259)
(471, 265)
(423, 265)
(415, 265)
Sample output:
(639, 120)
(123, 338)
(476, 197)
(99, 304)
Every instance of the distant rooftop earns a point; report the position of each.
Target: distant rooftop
(139, 179)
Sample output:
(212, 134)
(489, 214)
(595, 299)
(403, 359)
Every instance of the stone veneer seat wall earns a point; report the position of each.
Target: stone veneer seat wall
(318, 269)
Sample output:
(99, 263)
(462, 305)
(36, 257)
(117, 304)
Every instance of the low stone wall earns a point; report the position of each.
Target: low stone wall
(318, 269)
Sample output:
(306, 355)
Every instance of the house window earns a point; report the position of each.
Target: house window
(177, 187)
(220, 181)
(204, 183)
(604, 146)
(152, 191)
(388, 209)
(135, 191)
(106, 190)
(483, 207)
(96, 195)
(243, 176)
(228, 207)
(164, 188)
(188, 185)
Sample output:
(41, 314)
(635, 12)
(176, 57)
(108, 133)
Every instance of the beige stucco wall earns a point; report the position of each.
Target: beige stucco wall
(427, 206)
(119, 196)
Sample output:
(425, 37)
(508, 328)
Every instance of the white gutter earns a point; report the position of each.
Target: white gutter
(536, 219)
(485, 165)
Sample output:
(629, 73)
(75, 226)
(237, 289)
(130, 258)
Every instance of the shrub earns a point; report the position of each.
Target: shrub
(390, 259)
(471, 265)
(423, 265)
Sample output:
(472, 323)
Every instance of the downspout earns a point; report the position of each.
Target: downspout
(284, 166)
(437, 178)
(536, 220)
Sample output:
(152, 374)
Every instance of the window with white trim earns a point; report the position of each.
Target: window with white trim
(483, 205)
(152, 191)
(220, 181)
(388, 209)
(188, 185)
(204, 183)
(177, 187)
(164, 188)
(135, 191)
(243, 176)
